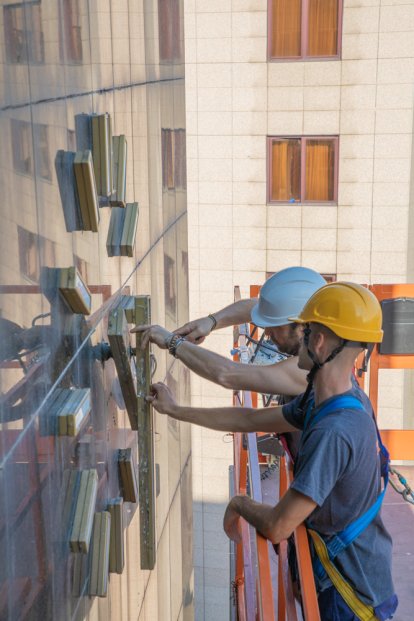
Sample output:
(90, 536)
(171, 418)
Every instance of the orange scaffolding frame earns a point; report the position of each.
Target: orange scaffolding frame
(399, 442)
(254, 586)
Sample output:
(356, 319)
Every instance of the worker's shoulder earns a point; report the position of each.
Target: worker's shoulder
(354, 425)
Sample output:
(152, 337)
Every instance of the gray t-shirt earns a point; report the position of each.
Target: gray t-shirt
(338, 467)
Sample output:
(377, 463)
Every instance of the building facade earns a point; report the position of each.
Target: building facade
(299, 147)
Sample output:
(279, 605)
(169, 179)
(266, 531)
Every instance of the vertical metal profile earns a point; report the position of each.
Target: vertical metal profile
(118, 336)
(146, 474)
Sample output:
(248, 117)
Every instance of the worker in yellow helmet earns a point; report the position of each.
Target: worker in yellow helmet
(336, 489)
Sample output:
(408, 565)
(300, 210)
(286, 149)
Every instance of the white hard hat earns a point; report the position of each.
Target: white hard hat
(284, 295)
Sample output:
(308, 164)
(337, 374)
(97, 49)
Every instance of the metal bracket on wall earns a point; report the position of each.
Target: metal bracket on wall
(145, 441)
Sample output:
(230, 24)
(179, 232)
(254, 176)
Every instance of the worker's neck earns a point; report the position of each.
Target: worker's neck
(332, 379)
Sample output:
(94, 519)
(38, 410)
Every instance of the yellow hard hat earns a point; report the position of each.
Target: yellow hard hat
(351, 311)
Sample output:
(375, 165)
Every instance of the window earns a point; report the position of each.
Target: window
(31, 246)
(70, 39)
(304, 29)
(170, 286)
(170, 31)
(174, 173)
(41, 141)
(303, 169)
(22, 148)
(23, 33)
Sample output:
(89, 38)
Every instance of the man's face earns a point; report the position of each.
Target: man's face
(287, 338)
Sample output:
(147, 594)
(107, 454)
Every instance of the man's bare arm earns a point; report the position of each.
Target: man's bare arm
(239, 312)
(281, 378)
(233, 419)
(274, 523)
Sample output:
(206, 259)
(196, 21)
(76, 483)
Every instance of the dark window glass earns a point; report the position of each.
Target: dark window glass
(42, 158)
(285, 181)
(320, 170)
(170, 31)
(34, 250)
(23, 33)
(170, 285)
(70, 41)
(22, 149)
(174, 170)
(286, 28)
(323, 28)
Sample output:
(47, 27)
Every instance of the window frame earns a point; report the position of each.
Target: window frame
(303, 140)
(303, 36)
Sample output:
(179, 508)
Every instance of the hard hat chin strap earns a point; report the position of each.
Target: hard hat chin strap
(369, 348)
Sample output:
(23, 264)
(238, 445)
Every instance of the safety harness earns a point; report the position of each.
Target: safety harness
(327, 550)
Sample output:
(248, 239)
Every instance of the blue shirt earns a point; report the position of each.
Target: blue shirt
(338, 467)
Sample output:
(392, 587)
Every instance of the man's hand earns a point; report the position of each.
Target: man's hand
(161, 398)
(153, 334)
(196, 331)
(231, 521)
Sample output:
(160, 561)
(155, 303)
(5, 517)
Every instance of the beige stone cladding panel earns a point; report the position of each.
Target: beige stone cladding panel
(281, 238)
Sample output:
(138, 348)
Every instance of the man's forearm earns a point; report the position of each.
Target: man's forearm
(261, 517)
(235, 314)
(207, 364)
(278, 522)
(231, 419)
(282, 378)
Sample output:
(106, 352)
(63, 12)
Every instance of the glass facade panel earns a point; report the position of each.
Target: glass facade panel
(63, 413)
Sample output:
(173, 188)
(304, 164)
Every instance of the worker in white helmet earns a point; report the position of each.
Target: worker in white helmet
(282, 295)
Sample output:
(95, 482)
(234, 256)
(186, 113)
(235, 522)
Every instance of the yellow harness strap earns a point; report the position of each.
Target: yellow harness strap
(361, 610)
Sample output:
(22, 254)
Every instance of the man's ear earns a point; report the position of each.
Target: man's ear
(319, 340)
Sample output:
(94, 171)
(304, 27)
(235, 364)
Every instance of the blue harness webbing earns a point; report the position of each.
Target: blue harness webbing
(337, 543)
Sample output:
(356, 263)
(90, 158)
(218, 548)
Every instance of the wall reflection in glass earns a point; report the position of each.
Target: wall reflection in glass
(68, 451)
